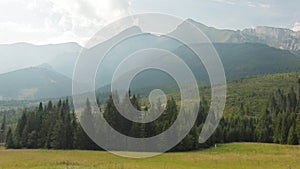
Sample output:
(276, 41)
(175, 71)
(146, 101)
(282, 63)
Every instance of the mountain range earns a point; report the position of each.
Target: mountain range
(250, 52)
(280, 38)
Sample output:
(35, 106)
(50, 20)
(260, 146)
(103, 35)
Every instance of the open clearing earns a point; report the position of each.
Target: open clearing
(226, 156)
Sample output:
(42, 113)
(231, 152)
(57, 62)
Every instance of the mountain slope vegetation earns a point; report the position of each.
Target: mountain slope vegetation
(34, 83)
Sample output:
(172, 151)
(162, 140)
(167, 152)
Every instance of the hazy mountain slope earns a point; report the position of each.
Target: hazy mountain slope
(34, 83)
(240, 60)
(22, 55)
(248, 59)
(62, 57)
(245, 60)
(122, 49)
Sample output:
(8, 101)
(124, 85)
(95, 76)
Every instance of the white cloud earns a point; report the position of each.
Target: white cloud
(229, 2)
(242, 3)
(267, 6)
(296, 26)
(258, 5)
(251, 4)
(55, 21)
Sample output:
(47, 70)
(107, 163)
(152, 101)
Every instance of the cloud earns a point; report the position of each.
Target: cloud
(85, 13)
(55, 21)
(229, 2)
(258, 5)
(242, 3)
(267, 6)
(296, 27)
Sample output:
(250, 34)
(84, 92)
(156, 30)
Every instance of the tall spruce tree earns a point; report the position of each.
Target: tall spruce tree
(298, 127)
(284, 129)
(87, 121)
(299, 89)
(9, 139)
(19, 141)
(292, 137)
(264, 128)
(292, 101)
(58, 136)
(3, 130)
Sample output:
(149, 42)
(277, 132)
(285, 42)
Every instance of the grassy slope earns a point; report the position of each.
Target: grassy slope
(227, 156)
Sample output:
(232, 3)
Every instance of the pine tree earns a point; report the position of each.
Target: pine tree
(74, 126)
(299, 90)
(202, 113)
(299, 95)
(32, 140)
(170, 113)
(87, 121)
(298, 127)
(110, 113)
(69, 131)
(49, 106)
(137, 130)
(41, 107)
(9, 139)
(3, 130)
(242, 109)
(277, 130)
(19, 141)
(58, 136)
(284, 130)
(292, 137)
(264, 129)
(291, 101)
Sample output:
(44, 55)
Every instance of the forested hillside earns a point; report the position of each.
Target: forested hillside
(57, 126)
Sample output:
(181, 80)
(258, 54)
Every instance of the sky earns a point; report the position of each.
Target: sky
(56, 21)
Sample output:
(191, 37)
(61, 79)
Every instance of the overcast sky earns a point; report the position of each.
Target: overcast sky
(57, 21)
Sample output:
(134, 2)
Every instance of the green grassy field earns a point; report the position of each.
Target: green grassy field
(226, 156)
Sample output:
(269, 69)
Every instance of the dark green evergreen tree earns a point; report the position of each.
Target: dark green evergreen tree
(277, 129)
(87, 121)
(291, 101)
(9, 139)
(3, 130)
(19, 140)
(58, 136)
(297, 130)
(264, 128)
(292, 137)
(284, 129)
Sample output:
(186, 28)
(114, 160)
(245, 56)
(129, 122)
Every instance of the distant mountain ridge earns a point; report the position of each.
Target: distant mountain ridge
(281, 38)
(33, 83)
(246, 53)
(23, 55)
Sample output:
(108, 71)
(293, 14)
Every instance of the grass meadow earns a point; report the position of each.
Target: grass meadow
(225, 156)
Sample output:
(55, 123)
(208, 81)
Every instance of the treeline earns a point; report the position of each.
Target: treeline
(57, 126)
(50, 127)
(279, 123)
